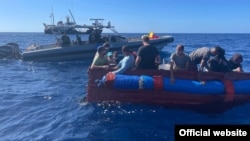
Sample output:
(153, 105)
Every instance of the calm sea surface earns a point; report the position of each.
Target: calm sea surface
(43, 101)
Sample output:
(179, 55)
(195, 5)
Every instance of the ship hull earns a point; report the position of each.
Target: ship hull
(86, 51)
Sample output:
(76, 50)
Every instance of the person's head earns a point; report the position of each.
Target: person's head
(215, 50)
(237, 58)
(179, 49)
(126, 50)
(220, 52)
(102, 50)
(106, 45)
(145, 39)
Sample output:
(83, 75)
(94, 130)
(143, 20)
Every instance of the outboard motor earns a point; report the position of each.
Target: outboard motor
(10, 51)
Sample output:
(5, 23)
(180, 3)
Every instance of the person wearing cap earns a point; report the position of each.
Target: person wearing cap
(126, 63)
(235, 63)
(147, 55)
(113, 58)
(100, 60)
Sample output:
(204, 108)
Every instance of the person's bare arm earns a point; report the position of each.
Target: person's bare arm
(93, 66)
(202, 65)
(137, 61)
(238, 69)
(100, 67)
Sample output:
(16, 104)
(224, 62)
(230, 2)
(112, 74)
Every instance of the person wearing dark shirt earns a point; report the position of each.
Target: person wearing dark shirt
(147, 55)
(65, 40)
(235, 63)
(219, 63)
(78, 40)
(95, 37)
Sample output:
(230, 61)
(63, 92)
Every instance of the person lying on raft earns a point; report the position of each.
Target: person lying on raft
(219, 63)
(200, 57)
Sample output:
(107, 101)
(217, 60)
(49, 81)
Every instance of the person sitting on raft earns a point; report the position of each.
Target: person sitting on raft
(179, 60)
(113, 58)
(100, 60)
(126, 63)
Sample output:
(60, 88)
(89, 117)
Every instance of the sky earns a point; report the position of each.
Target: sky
(131, 16)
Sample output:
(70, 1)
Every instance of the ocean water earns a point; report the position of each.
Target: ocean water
(44, 101)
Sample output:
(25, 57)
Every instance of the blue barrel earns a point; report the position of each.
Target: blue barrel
(147, 82)
(194, 87)
(242, 86)
(126, 82)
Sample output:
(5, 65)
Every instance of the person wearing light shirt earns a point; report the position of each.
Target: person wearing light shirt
(126, 63)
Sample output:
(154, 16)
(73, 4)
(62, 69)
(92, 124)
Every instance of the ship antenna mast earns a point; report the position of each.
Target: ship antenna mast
(52, 16)
(72, 16)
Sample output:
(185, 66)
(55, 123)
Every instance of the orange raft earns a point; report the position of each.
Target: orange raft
(210, 92)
